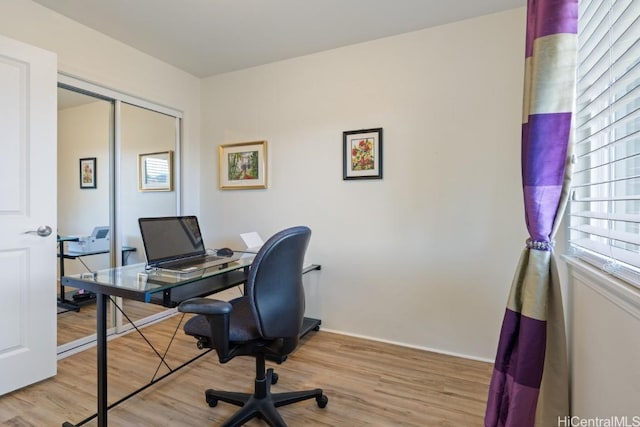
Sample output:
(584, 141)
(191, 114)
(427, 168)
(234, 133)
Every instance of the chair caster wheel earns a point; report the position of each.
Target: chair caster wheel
(212, 402)
(274, 378)
(322, 401)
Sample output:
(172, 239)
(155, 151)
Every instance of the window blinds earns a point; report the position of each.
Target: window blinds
(605, 203)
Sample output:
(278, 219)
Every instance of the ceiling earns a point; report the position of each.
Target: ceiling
(207, 37)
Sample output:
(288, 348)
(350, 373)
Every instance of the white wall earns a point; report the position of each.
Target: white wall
(604, 345)
(94, 57)
(424, 257)
(83, 131)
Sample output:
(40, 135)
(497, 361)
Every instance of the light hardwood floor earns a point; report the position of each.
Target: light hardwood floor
(368, 384)
(73, 325)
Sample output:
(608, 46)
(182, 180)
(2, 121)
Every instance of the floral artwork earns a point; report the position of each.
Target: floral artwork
(362, 156)
(88, 173)
(243, 165)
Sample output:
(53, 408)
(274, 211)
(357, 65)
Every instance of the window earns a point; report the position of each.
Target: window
(605, 204)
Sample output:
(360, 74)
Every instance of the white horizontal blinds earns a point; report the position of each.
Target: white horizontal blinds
(605, 206)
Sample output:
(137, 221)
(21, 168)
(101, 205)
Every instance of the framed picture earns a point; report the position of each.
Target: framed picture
(243, 166)
(155, 171)
(362, 154)
(88, 177)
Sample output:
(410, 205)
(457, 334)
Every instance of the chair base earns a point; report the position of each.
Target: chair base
(262, 403)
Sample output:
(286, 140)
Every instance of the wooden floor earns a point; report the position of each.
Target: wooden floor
(367, 383)
(73, 325)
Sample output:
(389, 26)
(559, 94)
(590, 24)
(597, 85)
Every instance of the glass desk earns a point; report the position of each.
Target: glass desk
(158, 287)
(155, 287)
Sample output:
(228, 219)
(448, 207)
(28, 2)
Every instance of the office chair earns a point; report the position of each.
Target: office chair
(264, 323)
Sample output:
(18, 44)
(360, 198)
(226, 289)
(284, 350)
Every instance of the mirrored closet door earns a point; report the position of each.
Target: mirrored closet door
(145, 182)
(85, 157)
(117, 161)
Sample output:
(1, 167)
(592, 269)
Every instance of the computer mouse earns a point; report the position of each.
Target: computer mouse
(224, 252)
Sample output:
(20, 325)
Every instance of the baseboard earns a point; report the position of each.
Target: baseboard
(416, 347)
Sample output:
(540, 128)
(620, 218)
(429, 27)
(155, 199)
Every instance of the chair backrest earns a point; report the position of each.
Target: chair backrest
(275, 286)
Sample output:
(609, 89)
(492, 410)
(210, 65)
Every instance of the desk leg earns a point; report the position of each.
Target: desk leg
(101, 335)
(62, 300)
(61, 251)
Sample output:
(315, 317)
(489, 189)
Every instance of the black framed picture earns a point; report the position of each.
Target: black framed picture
(362, 154)
(88, 177)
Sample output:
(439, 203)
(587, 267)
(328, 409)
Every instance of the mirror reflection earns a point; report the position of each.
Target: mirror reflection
(84, 205)
(151, 135)
(88, 189)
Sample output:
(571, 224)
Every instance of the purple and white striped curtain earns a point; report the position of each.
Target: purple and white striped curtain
(530, 382)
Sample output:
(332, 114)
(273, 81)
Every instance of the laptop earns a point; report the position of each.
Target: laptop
(175, 244)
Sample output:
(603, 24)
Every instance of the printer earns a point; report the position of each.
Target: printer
(98, 241)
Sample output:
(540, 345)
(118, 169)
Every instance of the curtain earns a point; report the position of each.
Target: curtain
(530, 381)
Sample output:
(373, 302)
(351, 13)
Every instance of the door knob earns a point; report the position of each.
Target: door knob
(42, 231)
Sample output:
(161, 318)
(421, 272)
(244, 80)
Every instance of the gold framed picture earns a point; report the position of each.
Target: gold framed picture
(155, 171)
(243, 165)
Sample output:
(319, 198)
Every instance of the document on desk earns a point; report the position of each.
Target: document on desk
(252, 240)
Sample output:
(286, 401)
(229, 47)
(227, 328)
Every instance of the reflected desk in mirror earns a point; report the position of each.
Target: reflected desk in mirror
(73, 300)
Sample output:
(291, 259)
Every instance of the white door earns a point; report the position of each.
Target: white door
(27, 203)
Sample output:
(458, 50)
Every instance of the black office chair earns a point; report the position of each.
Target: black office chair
(264, 323)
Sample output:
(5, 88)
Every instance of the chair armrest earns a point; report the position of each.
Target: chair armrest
(218, 314)
(205, 306)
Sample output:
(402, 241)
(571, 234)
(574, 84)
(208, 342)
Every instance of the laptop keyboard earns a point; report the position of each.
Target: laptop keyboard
(190, 262)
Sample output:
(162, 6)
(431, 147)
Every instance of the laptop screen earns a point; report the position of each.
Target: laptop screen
(171, 238)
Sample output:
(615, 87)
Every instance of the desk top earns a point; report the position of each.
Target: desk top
(136, 282)
(77, 254)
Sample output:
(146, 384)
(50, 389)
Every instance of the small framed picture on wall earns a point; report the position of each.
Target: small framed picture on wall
(155, 171)
(362, 154)
(243, 165)
(88, 172)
